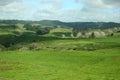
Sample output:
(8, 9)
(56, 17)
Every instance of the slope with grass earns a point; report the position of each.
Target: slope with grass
(28, 56)
(63, 59)
(60, 65)
(33, 42)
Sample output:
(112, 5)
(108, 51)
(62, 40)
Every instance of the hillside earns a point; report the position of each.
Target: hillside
(51, 23)
(49, 50)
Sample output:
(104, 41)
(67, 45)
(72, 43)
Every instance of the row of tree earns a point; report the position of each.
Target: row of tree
(38, 29)
(92, 33)
(82, 25)
(8, 26)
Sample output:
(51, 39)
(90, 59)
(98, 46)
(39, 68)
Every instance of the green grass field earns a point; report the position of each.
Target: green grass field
(63, 59)
(28, 56)
(60, 65)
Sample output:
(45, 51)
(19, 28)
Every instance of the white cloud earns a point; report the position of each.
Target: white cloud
(112, 2)
(15, 10)
(94, 10)
(51, 1)
(45, 13)
(91, 16)
(92, 3)
(56, 3)
(6, 2)
(79, 15)
(100, 3)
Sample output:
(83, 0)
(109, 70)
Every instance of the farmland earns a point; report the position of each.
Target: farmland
(65, 59)
(60, 65)
(26, 55)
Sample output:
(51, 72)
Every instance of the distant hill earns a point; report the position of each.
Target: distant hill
(82, 25)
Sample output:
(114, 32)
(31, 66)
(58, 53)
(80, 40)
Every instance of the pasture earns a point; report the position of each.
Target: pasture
(25, 55)
(64, 59)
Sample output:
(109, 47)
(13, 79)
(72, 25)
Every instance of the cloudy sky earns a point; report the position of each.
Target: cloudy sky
(63, 10)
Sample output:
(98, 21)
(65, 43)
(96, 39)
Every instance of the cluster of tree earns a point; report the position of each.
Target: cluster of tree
(43, 31)
(38, 29)
(8, 26)
(93, 25)
(15, 21)
(31, 27)
(92, 33)
(95, 33)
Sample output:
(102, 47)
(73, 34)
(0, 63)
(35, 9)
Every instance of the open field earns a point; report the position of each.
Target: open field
(59, 39)
(60, 65)
(63, 59)
(26, 55)
(52, 43)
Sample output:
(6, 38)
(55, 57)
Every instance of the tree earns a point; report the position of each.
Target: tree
(93, 35)
(63, 36)
(79, 34)
(28, 26)
(42, 31)
(72, 35)
(98, 34)
(32, 27)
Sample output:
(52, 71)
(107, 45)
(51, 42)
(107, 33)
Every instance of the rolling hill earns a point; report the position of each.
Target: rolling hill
(51, 23)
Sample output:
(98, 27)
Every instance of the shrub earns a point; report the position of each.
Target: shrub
(63, 36)
(72, 35)
(2, 47)
(109, 32)
(88, 34)
(98, 34)
(79, 34)
(42, 31)
(23, 48)
(17, 33)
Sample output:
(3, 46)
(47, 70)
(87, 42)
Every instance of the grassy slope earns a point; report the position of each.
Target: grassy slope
(60, 65)
(64, 30)
(58, 32)
(99, 43)
(55, 64)
(29, 40)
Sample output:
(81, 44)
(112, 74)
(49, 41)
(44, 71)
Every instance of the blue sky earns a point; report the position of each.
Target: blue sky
(63, 10)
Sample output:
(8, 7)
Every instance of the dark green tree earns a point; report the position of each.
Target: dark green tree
(42, 31)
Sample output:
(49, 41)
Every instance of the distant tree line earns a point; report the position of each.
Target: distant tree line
(9, 26)
(93, 25)
(82, 25)
(38, 29)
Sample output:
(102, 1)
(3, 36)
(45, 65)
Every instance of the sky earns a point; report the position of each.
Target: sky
(63, 10)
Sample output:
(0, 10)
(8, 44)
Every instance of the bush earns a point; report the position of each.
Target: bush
(8, 26)
(43, 31)
(32, 27)
(2, 47)
(98, 34)
(17, 33)
(79, 34)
